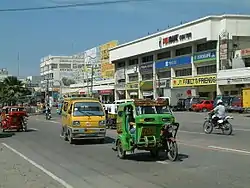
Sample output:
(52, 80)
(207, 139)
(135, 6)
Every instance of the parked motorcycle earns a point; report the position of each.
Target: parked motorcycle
(223, 124)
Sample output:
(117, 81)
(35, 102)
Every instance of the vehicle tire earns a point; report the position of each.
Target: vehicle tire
(154, 153)
(69, 137)
(120, 152)
(102, 141)
(204, 110)
(228, 129)
(172, 152)
(208, 127)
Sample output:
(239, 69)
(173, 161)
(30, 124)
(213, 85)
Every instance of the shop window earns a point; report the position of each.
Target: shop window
(234, 92)
(206, 69)
(54, 66)
(148, 58)
(147, 76)
(211, 45)
(65, 66)
(166, 74)
(183, 72)
(133, 62)
(183, 51)
(120, 64)
(247, 62)
(164, 55)
(133, 78)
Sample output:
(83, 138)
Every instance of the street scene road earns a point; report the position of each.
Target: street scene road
(205, 160)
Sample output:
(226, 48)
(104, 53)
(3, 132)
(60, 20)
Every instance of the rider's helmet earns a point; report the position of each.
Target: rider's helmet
(219, 102)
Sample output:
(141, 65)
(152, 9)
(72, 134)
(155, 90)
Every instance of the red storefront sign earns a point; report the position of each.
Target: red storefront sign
(107, 91)
(245, 52)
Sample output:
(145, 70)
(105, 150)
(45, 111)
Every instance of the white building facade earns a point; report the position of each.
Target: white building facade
(59, 71)
(181, 61)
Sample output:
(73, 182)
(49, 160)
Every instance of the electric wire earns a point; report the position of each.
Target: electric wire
(69, 5)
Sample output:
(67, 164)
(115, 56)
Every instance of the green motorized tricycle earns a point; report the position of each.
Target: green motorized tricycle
(146, 125)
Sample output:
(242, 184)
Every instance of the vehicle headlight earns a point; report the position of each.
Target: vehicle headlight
(102, 123)
(76, 123)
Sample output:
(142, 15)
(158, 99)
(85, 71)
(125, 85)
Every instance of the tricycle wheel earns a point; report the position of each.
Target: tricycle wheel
(154, 153)
(172, 151)
(121, 153)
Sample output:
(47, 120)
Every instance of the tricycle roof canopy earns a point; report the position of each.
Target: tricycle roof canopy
(148, 102)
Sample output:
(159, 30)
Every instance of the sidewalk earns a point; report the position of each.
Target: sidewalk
(15, 172)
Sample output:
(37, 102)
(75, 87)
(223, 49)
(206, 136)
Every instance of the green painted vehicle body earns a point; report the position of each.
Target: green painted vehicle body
(147, 128)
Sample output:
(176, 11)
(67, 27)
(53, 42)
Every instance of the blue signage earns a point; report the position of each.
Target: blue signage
(173, 62)
(205, 56)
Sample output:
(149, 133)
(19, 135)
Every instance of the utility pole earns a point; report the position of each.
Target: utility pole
(47, 92)
(92, 79)
(18, 65)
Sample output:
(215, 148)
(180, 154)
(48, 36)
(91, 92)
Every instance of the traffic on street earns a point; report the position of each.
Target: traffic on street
(205, 160)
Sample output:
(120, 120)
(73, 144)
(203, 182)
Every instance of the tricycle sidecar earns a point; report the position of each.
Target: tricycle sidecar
(14, 118)
(146, 125)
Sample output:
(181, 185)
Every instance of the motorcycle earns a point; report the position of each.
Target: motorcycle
(223, 124)
(48, 115)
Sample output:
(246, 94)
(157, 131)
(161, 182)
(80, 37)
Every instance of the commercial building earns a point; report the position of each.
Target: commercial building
(59, 71)
(100, 80)
(181, 61)
(237, 76)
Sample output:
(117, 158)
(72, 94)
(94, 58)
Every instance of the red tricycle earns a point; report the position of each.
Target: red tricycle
(14, 118)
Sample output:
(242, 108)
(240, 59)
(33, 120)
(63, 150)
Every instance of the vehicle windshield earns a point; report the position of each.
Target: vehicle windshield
(152, 110)
(87, 109)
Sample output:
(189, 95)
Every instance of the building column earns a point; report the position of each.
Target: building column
(155, 94)
(126, 80)
(140, 96)
(218, 90)
(194, 68)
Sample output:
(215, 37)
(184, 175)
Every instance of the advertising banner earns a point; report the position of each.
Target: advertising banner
(185, 60)
(146, 67)
(90, 56)
(245, 52)
(132, 85)
(107, 71)
(204, 57)
(195, 81)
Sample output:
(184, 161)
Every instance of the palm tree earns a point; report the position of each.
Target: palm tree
(13, 89)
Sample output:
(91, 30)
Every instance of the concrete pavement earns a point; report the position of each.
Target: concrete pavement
(205, 160)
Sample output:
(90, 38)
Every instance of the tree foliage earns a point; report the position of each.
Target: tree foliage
(12, 91)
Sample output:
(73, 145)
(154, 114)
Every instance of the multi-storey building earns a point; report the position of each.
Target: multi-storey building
(3, 74)
(181, 61)
(59, 71)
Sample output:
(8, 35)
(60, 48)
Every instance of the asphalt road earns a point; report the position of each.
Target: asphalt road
(205, 160)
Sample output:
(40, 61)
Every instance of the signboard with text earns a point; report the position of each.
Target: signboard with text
(194, 81)
(185, 60)
(204, 56)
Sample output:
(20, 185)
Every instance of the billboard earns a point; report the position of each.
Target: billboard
(90, 56)
(107, 69)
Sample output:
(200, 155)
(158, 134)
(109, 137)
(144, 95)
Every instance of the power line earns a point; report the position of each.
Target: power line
(69, 5)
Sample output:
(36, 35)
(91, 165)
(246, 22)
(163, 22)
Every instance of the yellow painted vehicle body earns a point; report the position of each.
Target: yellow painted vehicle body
(246, 98)
(83, 118)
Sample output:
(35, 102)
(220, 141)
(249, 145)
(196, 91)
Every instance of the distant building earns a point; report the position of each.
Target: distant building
(3, 74)
(59, 70)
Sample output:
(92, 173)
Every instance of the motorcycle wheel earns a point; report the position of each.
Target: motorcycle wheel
(208, 127)
(227, 129)
(172, 151)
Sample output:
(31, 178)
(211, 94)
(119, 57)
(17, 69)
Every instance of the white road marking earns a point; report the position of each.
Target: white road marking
(230, 149)
(162, 162)
(33, 129)
(53, 176)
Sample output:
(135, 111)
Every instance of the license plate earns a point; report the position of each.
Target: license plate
(147, 131)
(81, 131)
(90, 135)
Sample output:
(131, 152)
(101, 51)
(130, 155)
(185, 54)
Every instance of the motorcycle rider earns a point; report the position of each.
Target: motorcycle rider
(48, 110)
(219, 112)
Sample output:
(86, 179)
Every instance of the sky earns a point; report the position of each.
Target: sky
(36, 34)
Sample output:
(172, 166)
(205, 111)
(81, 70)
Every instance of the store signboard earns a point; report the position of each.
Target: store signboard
(195, 81)
(245, 52)
(204, 56)
(146, 67)
(132, 86)
(163, 83)
(185, 60)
